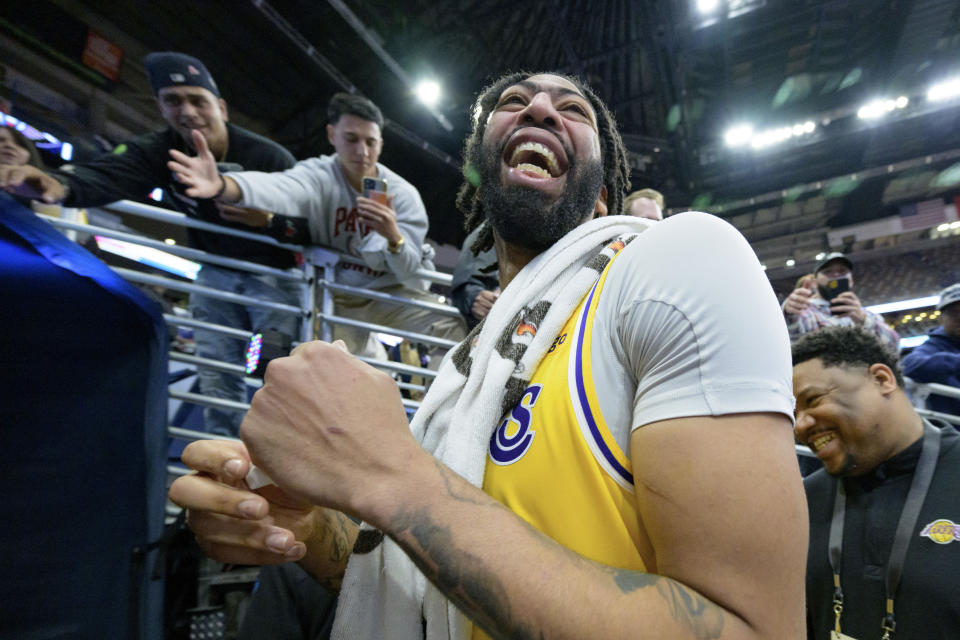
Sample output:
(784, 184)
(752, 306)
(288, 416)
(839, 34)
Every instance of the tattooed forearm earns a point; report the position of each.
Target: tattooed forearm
(450, 481)
(329, 551)
(337, 534)
(703, 618)
(478, 585)
(462, 576)
(688, 607)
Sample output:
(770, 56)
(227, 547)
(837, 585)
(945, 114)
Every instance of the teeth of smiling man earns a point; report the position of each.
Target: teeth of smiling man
(539, 149)
(821, 441)
(532, 168)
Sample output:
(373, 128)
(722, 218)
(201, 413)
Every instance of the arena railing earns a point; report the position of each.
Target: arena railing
(919, 392)
(318, 277)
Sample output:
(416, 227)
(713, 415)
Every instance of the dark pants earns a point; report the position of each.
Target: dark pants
(288, 605)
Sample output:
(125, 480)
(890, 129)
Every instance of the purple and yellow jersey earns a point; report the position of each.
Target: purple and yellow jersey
(553, 460)
(659, 336)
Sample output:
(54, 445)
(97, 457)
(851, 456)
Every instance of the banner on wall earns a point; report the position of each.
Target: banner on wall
(102, 56)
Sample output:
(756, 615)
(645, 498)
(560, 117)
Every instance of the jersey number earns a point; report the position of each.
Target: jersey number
(557, 342)
(514, 436)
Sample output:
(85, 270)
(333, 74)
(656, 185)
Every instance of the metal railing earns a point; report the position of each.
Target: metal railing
(318, 280)
(318, 270)
(919, 392)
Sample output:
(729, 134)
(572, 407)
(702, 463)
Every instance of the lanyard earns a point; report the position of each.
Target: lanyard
(922, 475)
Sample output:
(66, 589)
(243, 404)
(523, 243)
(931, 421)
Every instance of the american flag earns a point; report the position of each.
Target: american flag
(922, 215)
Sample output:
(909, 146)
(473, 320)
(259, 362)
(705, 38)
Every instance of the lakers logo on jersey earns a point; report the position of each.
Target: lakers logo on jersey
(514, 436)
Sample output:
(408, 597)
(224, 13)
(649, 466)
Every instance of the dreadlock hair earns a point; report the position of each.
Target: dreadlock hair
(849, 347)
(616, 171)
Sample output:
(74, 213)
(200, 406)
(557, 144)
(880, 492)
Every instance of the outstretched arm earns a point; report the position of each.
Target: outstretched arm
(720, 499)
(200, 173)
(31, 182)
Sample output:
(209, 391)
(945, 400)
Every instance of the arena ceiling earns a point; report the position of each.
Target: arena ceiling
(676, 78)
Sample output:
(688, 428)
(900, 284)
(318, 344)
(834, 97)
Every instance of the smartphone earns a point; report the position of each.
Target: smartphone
(375, 189)
(835, 287)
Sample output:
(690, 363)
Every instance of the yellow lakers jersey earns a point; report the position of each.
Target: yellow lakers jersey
(553, 460)
(654, 339)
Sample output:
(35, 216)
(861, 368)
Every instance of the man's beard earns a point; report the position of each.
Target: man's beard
(524, 216)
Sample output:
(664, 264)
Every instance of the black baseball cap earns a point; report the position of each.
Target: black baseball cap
(171, 69)
(835, 256)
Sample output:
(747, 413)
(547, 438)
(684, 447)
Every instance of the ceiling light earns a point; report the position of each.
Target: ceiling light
(738, 135)
(790, 262)
(879, 108)
(944, 90)
(170, 241)
(871, 110)
(955, 225)
(820, 256)
(428, 92)
(707, 6)
(943, 227)
(743, 134)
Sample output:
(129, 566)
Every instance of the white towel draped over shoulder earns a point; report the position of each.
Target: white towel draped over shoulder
(384, 595)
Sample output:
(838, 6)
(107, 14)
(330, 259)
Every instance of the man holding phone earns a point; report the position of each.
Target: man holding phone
(827, 299)
(347, 201)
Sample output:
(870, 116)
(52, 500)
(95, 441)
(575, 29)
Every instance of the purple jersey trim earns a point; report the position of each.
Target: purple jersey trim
(585, 405)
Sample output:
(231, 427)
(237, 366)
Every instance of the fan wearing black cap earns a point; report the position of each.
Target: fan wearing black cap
(938, 359)
(827, 299)
(188, 100)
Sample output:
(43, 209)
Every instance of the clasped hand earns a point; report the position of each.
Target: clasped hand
(329, 430)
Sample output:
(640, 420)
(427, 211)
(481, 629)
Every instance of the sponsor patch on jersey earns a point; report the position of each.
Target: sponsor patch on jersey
(941, 531)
